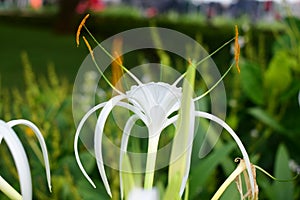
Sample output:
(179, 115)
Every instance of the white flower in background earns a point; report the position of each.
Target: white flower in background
(20, 158)
(158, 105)
(140, 193)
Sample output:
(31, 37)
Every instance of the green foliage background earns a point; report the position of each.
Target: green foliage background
(263, 106)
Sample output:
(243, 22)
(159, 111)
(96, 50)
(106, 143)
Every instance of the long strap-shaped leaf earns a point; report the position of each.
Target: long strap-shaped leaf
(182, 142)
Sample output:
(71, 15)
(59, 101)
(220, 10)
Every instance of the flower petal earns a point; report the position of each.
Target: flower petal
(124, 142)
(152, 94)
(84, 119)
(18, 153)
(136, 111)
(41, 141)
(78, 130)
(98, 137)
(237, 140)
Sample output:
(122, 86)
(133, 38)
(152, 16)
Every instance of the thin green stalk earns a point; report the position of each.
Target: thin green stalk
(112, 57)
(215, 85)
(274, 178)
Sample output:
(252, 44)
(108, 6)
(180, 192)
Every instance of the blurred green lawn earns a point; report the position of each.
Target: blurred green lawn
(43, 47)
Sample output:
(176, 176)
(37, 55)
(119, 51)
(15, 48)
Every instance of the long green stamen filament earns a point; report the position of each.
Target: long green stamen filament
(218, 49)
(97, 66)
(221, 79)
(215, 85)
(201, 61)
(274, 178)
(112, 57)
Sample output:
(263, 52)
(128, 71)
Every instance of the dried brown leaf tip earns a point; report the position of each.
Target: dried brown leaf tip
(246, 192)
(80, 27)
(237, 48)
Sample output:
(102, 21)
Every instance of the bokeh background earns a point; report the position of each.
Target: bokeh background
(39, 61)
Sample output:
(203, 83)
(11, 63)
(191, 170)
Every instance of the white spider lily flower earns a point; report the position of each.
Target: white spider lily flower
(20, 158)
(158, 105)
(140, 193)
(153, 103)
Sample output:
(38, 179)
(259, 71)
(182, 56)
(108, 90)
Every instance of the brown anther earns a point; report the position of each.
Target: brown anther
(80, 27)
(237, 48)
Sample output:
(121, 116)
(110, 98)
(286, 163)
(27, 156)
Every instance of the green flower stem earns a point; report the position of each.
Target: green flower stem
(8, 190)
(151, 160)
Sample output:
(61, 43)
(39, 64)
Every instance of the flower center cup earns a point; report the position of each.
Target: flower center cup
(157, 101)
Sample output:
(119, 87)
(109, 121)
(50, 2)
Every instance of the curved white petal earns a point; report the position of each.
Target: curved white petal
(82, 122)
(175, 107)
(136, 111)
(21, 161)
(124, 142)
(98, 137)
(41, 141)
(237, 140)
(78, 130)
(170, 121)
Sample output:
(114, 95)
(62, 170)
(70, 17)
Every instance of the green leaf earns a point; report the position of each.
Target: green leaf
(267, 119)
(282, 190)
(171, 192)
(278, 76)
(87, 192)
(230, 193)
(251, 82)
(184, 134)
(202, 171)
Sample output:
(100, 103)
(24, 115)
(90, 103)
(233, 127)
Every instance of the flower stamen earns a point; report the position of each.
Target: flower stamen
(237, 49)
(80, 27)
(89, 47)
